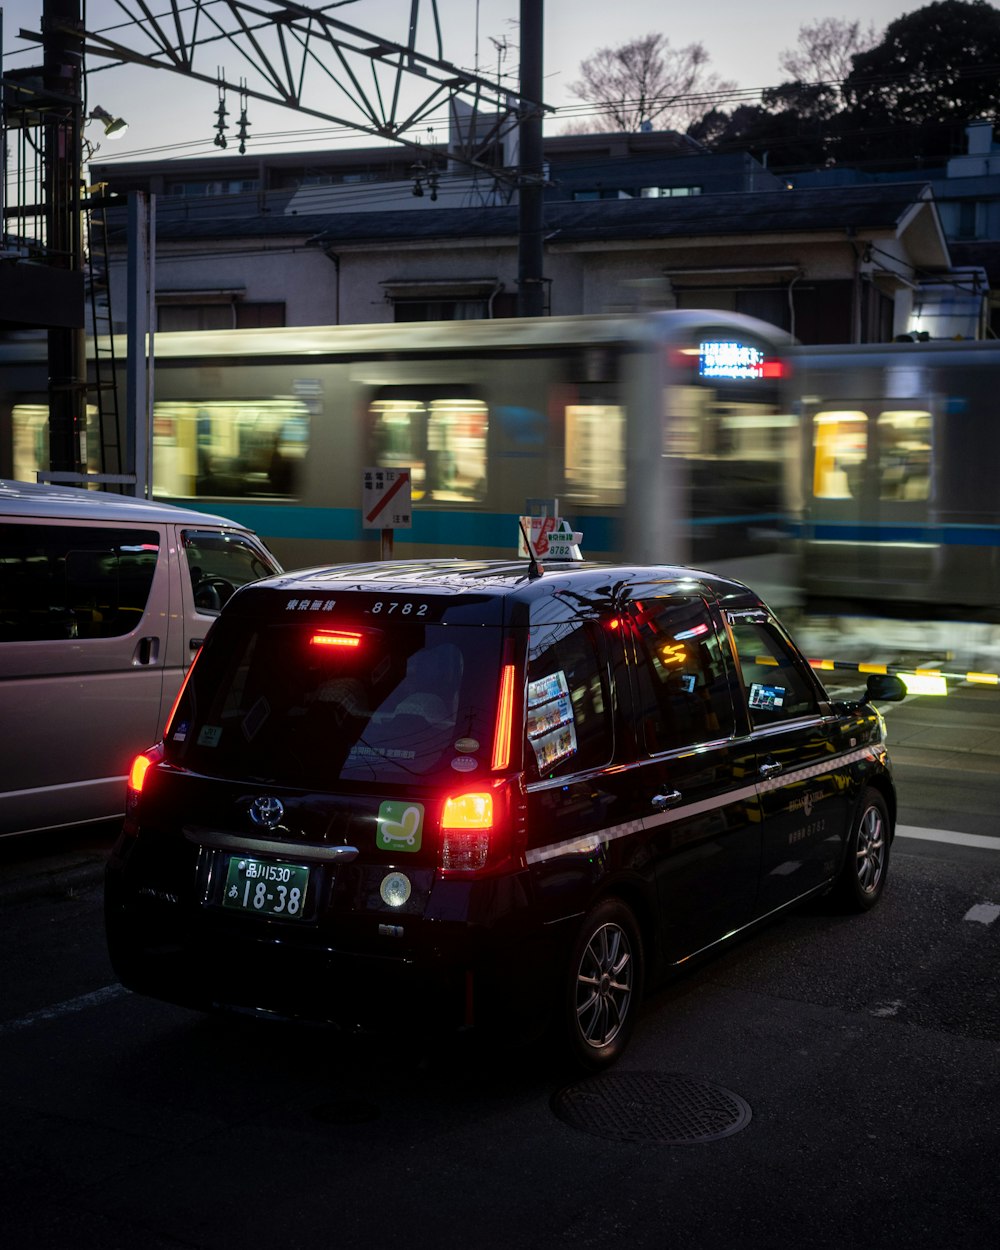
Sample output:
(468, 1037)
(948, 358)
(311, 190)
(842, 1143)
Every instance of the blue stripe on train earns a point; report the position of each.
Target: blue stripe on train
(446, 529)
(950, 534)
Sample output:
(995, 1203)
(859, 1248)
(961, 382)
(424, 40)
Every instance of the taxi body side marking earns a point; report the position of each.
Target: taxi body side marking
(591, 842)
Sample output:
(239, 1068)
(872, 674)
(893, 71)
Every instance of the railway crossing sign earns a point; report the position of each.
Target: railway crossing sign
(385, 499)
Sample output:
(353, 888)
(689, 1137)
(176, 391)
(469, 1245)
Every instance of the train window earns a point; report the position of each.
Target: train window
(904, 455)
(442, 441)
(594, 469)
(30, 429)
(230, 448)
(840, 447)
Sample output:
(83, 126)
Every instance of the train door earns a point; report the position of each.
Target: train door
(835, 468)
(900, 466)
(868, 484)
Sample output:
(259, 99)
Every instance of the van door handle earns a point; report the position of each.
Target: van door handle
(147, 651)
(769, 768)
(662, 801)
(195, 643)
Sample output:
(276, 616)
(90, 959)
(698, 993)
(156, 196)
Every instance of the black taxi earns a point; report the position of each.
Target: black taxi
(458, 794)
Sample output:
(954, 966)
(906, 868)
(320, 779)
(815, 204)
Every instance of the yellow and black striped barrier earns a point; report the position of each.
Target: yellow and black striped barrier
(900, 670)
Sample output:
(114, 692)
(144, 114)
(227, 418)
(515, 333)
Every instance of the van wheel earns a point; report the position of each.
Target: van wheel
(866, 866)
(603, 986)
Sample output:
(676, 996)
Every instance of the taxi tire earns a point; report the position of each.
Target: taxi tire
(866, 864)
(603, 987)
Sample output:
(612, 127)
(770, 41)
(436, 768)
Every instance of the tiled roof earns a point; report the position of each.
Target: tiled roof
(864, 208)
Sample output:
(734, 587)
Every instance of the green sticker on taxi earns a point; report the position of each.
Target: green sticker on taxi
(400, 826)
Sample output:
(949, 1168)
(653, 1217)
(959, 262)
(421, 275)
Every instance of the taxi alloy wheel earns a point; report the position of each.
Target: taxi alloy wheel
(605, 984)
(867, 860)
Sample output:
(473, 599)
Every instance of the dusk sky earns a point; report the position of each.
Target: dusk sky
(172, 117)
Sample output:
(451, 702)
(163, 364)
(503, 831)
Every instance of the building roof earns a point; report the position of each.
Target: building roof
(882, 208)
(873, 207)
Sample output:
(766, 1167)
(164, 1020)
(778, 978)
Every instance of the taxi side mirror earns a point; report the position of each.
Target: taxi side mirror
(884, 687)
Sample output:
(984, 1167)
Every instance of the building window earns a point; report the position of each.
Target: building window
(667, 193)
(235, 315)
(969, 217)
(441, 309)
(224, 186)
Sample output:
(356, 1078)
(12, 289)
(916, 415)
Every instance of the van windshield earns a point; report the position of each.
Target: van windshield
(301, 705)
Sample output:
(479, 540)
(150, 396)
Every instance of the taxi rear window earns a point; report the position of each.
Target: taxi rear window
(301, 704)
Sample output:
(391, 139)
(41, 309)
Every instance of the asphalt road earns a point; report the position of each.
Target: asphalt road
(831, 1081)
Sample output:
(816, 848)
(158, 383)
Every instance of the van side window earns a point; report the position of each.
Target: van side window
(569, 712)
(219, 564)
(777, 689)
(66, 581)
(683, 684)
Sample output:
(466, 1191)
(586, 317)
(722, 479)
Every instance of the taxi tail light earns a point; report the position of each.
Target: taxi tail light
(505, 719)
(136, 781)
(480, 830)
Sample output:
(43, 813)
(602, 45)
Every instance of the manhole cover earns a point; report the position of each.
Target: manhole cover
(662, 1107)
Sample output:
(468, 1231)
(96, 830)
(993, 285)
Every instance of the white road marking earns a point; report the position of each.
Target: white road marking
(946, 835)
(56, 1012)
(985, 913)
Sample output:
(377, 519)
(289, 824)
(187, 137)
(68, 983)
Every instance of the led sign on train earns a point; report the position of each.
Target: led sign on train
(727, 358)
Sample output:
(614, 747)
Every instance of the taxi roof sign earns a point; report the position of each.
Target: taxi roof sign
(551, 538)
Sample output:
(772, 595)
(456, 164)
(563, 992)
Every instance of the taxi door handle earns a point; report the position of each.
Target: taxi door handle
(769, 769)
(662, 801)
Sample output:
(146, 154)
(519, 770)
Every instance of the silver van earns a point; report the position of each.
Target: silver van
(104, 601)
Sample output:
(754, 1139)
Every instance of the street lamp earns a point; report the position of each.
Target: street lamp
(114, 127)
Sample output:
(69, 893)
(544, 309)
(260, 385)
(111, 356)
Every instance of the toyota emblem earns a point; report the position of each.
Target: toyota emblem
(267, 811)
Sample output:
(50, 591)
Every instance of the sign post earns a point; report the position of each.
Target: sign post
(386, 504)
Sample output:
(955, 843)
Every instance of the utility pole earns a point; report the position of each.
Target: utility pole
(62, 39)
(531, 251)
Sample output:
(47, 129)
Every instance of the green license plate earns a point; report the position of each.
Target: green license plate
(266, 888)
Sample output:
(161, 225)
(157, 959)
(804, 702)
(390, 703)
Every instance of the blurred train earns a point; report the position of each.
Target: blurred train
(839, 474)
(900, 459)
(662, 437)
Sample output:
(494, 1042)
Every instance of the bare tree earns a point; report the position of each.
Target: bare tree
(826, 48)
(646, 81)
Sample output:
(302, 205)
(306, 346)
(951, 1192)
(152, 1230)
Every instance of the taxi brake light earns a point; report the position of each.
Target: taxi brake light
(468, 811)
(466, 827)
(328, 638)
